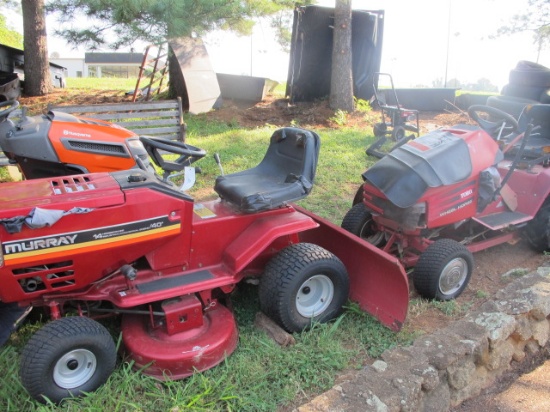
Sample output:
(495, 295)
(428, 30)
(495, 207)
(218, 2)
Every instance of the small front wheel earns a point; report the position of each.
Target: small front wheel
(359, 222)
(443, 270)
(303, 284)
(67, 357)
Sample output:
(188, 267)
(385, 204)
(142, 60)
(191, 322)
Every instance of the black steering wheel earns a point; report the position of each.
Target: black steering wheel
(188, 154)
(11, 106)
(496, 120)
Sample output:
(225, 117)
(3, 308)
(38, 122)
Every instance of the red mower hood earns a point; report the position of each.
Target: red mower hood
(439, 158)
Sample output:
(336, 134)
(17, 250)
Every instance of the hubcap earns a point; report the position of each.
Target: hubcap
(373, 237)
(314, 296)
(453, 276)
(74, 368)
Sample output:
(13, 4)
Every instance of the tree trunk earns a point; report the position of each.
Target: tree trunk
(37, 67)
(341, 83)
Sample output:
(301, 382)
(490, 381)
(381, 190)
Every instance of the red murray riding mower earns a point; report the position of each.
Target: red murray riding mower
(131, 244)
(438, 198)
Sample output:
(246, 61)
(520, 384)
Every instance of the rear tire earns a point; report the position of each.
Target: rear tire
(303, 284)
(66, 358)
(537, 230)
(359, 221)
(443, 270)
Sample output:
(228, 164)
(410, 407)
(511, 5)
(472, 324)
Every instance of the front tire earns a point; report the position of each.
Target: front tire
(443, 270)
(359, 222)
(66, 358)
(303, 284)
(537, 230)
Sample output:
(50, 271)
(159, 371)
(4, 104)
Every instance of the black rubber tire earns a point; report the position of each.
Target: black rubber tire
(284, 279)
(358, 198)
(431, 265)
(530, 74)
(537, 231)
(73, 336)
(398, 133)
(524, 92)
(509, 104)
(359, 221)
(379, 129)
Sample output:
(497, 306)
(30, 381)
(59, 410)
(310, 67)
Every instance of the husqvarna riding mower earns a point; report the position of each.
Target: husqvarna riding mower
(438, 198)
(59, 144)
(133, 245)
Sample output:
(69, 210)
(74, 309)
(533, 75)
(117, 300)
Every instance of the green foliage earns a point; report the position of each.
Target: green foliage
(535, 18)
(340, 117)
(8, 36)
(155, 21)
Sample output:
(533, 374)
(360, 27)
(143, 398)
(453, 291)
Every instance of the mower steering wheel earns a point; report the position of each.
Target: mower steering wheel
(188, 154)
(498, 120)
(13, 104)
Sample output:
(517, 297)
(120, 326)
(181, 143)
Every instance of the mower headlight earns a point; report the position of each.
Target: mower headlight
(135, 144)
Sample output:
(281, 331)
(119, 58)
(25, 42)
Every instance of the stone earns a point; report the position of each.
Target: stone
(461, 374)
(541, 331)
(499, 325)
(500, 356)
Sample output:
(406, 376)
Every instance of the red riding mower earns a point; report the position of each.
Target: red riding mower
(440, 197)
(133, 245)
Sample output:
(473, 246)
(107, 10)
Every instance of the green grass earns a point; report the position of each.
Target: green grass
(259, 375)
(90, 83)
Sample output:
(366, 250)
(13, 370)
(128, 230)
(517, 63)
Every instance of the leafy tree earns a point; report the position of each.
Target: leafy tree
(155, 20)
(535, 18)
(8, 36)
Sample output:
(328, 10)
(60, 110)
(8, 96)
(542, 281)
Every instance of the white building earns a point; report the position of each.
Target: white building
(125, 65)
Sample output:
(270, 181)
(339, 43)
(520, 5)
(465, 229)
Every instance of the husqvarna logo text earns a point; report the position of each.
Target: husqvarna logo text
(69, 133)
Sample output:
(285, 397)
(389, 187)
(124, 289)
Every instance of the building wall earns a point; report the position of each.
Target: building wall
(75, 67)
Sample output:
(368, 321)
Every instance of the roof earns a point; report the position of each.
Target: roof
(127, 58)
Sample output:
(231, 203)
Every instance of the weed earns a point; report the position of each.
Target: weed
(362, 105)
(481, 294)
(340, 117)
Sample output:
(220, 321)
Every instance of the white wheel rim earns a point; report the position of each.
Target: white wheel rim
(314, 296)
(453, 276)
(74, 369)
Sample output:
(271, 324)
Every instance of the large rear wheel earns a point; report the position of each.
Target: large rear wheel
(443, 270)
(67, 357)
(303, 284)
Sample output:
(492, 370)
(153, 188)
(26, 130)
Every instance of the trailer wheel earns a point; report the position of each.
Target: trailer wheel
(398, 133)
(359, 221)
(379, 129)
(537, 230)
(443, 270)
(303, 284)
(66, 358)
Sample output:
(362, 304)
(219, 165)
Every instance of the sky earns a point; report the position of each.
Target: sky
(423, 40)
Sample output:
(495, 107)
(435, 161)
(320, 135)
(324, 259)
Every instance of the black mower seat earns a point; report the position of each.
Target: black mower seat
(284, 175)
(538, 142)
